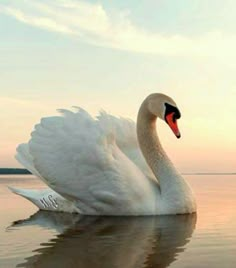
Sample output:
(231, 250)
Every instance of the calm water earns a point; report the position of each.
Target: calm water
(44, 239)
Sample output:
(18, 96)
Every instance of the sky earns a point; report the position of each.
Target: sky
(110, 55)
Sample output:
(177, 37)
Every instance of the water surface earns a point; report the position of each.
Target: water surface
(31, 238)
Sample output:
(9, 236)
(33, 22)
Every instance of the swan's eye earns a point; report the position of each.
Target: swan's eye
(170, 109)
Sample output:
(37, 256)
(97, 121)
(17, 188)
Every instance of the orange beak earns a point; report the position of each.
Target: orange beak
(172, 122)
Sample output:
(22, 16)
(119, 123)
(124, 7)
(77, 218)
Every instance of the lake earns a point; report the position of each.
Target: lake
(32, 238)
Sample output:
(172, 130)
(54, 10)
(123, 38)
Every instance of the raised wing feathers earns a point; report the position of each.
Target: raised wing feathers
(78, 157)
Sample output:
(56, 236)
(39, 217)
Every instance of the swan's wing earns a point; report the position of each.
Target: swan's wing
(81, 161)
(124, 131)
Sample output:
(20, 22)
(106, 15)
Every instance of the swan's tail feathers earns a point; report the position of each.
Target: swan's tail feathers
(24, 157)
(31, 195)
(18, 191)
(37, 197)
(46, 199)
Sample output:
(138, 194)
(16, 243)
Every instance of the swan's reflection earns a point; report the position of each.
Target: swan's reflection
(110, 241)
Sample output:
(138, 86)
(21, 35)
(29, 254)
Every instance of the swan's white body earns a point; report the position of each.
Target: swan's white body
(96, 167)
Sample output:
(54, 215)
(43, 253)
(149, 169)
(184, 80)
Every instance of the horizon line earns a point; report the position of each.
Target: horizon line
(183, 173)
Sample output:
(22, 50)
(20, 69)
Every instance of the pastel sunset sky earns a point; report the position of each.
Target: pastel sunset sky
(110, 55)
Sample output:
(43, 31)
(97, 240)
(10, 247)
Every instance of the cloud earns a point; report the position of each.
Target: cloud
(92, 23)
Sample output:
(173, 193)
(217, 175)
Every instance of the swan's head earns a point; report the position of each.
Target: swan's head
(166, 109)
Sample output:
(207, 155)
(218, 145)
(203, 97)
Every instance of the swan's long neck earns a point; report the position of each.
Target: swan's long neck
(153, 152)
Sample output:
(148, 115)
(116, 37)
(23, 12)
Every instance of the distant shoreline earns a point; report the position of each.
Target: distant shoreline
(208, 173)
(14, 171)
(23, 171)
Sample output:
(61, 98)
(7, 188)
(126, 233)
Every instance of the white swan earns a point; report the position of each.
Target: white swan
(95, 166)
